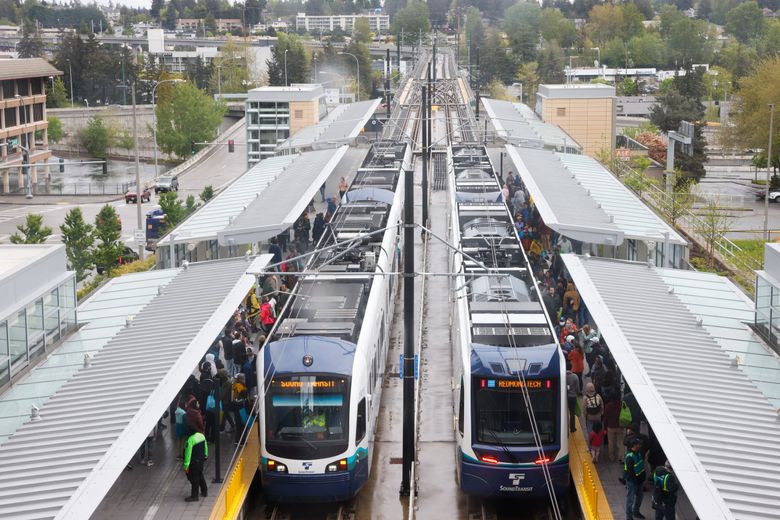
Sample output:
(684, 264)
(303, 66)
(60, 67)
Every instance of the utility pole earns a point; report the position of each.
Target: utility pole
(388, 68)
(768, 172)
(138, 189)
(478, 85)
(434, 56)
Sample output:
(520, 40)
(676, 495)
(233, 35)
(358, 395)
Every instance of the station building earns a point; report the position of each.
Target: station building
(275, 113)
(37, 304)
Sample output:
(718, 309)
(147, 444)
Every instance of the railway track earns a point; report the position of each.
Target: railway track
(481, 509)
(343, 511)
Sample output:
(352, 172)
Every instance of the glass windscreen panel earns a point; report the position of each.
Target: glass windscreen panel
(307, 416)
(502, 417)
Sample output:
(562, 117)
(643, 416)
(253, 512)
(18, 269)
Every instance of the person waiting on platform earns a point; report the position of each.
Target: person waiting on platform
(665, 488)
(634, 467)
(196, 451)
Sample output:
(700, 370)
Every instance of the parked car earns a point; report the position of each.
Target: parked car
(132, 195)
(774, 194)
(127, 256)
(166, 183)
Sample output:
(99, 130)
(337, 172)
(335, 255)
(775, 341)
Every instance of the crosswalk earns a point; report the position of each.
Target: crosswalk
(9, 213)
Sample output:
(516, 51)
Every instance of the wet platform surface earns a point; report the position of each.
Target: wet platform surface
(157, 492)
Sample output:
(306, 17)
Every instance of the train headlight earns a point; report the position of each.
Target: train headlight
(339, 465)
(275, 467)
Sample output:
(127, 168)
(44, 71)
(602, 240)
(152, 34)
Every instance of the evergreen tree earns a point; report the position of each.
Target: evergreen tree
(31, 44)
(297, 61)
(32, 231)
(108, 231)
(78, 239)
(56, 95)
(174, 210)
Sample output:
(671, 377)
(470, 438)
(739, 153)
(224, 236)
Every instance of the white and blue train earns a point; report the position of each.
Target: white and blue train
(505, 352)
(320, 372)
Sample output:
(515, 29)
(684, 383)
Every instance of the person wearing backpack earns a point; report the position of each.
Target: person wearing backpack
(665, 488)
(594, 407)
(634, 468)
(208, 397)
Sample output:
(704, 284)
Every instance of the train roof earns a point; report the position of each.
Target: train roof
(327, 355)
(333, 302)
(492, 361)
(503, 304)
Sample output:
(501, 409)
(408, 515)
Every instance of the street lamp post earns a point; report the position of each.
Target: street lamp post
(25, 149)
(768, 172)
(138, 190)
(154, 117)
(286, 84)
(357, 62)
(70, 75)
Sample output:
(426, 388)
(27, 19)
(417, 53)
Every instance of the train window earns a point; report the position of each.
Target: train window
(360, 431)
(460, 408)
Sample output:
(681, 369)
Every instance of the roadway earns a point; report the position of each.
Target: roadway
(217, 170)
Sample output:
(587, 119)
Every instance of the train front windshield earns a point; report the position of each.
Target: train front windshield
(307, 416)
(502, 416)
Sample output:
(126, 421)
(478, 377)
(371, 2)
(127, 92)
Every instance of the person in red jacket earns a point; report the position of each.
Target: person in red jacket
(266, 315)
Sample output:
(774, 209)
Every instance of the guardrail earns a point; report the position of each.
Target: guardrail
(203, 153)
(78, 188)
(733, 256)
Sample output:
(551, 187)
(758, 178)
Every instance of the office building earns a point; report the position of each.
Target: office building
(23, 123)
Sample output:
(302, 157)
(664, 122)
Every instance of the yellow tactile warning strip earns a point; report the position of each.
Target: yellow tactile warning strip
(593, 500)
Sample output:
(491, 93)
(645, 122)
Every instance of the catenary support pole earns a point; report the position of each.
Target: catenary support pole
(768, 173)
(478, 85)
(424, 155)
(408, 357)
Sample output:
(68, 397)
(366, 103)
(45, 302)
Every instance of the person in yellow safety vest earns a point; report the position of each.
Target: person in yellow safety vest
(196, 451)
(634, 467)
(313, 420)
(665, 492)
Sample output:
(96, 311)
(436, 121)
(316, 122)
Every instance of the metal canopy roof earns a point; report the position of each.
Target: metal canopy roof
(62, 465)
(567, 183)
(564, 205)
(343, 123)
(218, 212)
(102, 316)
(278, 207)
(520, 126)
(714, 425)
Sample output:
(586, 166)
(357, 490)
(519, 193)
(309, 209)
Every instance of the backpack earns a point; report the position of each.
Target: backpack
(592, 405)
(664, 486)
(624, 419)
(211, 401)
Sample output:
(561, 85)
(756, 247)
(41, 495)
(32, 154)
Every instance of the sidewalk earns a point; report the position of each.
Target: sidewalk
(46, 200)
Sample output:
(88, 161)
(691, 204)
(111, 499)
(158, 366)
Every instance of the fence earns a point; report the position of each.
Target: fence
(78, 188)
(741, 264)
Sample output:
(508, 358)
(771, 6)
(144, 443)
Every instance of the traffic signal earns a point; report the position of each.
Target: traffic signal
(62, 165)
(193, 149)
(231, 146)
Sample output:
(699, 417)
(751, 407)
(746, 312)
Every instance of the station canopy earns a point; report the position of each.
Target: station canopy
(519, 125)
(268, 191)
(62, 463)
(693, 366)
(580, 199)
(342, 124)
(280, 204)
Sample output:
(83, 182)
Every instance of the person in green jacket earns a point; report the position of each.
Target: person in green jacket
(196, 451)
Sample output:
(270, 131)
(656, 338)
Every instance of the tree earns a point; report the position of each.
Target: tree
(647, 50)
(745, 21)
(556, 28)
(56, 95)
(232, 68)
(361, 31)
(108, 231)
(297, 61)
(750, 113)
(78, 239)
(495, 63)
(689, 42)
(96, 137)
(681, 200)
(199, 72)
(174, 210)
(156, 9)
(32, 231)
(412, 19)
(522, 23)
(713, 222)
(189, 116)
(31, 45)
(190, 205)
(528, 76)
(550, 65)
(55, 129)
(170, 18)
(474, 29)
(207, 194)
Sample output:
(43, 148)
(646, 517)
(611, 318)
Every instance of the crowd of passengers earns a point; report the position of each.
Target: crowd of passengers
(596, 392)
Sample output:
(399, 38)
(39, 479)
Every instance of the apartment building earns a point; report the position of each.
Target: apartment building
(345, 22)
(275, 113)
(23, 123)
